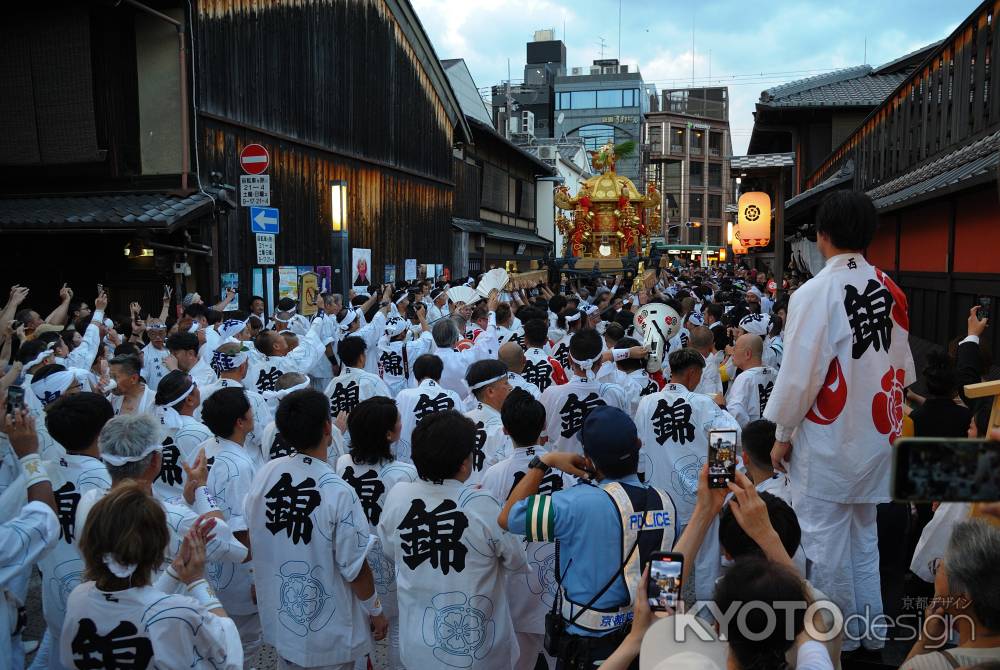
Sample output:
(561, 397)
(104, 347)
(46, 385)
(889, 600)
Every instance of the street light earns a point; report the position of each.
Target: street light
(338, 232)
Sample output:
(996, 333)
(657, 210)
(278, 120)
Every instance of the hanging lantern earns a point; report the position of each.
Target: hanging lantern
(737, 244)
(753, 226)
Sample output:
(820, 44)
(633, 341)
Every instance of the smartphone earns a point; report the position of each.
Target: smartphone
(945, 470)
(984, 308)
(15, 399)
(663, 590)
(721, 458)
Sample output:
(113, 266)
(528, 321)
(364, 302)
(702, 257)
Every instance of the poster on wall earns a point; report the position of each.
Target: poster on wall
(361, 263)
(409, 269)
(390, 274)
(231, 280)
(288, 282)
(308, 293)
(325, 273)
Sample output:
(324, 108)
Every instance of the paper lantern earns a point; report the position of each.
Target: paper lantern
(737, 244)
(753, 225)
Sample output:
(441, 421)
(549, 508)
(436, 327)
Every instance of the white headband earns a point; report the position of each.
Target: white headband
(223, 362)
(587, 366)
(40, 357)
(120, 570)
(278, 395)
(118, 461)
(405, 296)
(575, 316)
(349, 319)
(49, 389)
(182, 396)
(487, 382)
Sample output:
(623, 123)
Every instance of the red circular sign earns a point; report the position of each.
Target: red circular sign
(254, 159)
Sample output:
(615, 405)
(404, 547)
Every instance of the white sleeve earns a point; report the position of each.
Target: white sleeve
(736, 402)
(214, 639)
(812, 655)
(25, 539)
(83, 356)
(350, 535)
(310, 348)
(485, 345)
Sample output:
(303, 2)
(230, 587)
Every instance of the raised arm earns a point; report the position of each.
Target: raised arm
(59, 315)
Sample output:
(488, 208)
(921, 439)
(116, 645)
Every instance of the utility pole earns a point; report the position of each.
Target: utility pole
(602, 42)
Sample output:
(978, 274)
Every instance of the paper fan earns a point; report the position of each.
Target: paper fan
(465, 294)
(496, 278)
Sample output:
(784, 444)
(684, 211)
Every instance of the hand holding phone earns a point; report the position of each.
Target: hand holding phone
(721, 458)
(983, 311)
(663, 590)
(15, 399)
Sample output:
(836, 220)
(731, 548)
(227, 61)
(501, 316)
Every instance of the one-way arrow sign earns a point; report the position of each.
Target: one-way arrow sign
(264, 220)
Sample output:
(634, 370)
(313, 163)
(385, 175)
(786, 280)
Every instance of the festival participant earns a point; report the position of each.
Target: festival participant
(570, 321)
(228, 415)
(748, 393)
(488, 382)
(120, 613)
(567, 405)
(231, 361)
(512, 355)
(354, 383)
(273, 445)
(530, 594)
(597, 591)
(155, 353)
(427, 398)
(177, 399)
(275, 359)
(30, 527)
(446, 335)
(703, 342)
(352, 323)
(451, 558)
(372, 471)
(184, 349)
(438, 308)
(396, 354)
(840, 391)
(636, 381)
(304, 529)
(540, 369)
(130, 394)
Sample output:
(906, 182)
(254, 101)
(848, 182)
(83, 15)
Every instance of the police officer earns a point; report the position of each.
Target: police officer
(606, 527)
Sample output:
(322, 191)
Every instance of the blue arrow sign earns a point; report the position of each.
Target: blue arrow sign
(264, 220)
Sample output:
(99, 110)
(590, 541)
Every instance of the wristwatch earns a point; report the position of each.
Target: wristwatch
(537, 463)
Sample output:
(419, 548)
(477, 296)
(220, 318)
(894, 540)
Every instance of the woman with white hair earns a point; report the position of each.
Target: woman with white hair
(966, 601)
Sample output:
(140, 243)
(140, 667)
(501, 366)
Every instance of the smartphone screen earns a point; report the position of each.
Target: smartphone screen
(664, 587)
(721, 458)
(984, 308)
(946, 470)
(15, 398)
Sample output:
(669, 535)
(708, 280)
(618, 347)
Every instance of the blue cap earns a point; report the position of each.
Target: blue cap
(608, 436)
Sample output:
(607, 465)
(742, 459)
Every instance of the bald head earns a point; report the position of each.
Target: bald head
(702, 339)
(747, 351)
(512, 354)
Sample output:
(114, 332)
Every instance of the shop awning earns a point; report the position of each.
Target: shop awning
(122, 212)
(500, 232)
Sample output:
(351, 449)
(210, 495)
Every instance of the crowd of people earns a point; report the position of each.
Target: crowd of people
(482, 482)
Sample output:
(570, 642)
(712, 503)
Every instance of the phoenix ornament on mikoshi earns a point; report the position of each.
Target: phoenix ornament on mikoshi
(610, 217)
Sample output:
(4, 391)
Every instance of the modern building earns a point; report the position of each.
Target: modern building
(499, 190)
(572, 164)
(687, 139)
(603, 103)
(529, 105)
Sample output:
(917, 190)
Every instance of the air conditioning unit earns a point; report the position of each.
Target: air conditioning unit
(547, 153)
(528, 122)
(595, 69)
(576, 72)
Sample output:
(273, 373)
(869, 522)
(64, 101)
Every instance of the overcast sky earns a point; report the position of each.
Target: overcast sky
(748, 46)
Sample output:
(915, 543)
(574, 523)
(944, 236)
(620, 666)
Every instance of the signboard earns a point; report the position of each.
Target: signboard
(264, 220)
(255, 190)
(288, 282)
(325, 273)
(361, 263)
(390, 274)
(231, 280)
(265, 249)
(308, 293)
(409, 269)
(254, 159)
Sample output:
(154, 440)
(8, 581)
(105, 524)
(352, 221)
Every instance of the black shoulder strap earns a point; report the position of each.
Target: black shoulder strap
(406, 363)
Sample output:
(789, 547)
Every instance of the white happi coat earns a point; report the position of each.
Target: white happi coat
(456, 363)
(146, 403)
(414, 404)
(492, 444)
(265, 370)
(275, 446)
(180, 445)
(395, 366)
(262, 412)
(352, 386)
(567, 405)
(229, 482)
(451, 561)
(531, 593)
(73, 476)
(372, 483)
(148, 627)
(748, 394)
(542, 370)
(519, 382)
(673, 426)
(711, 380)
(840, 391)
(560, 351)
(638, 384)
(310, 538)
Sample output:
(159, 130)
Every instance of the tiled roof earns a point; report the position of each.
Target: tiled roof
(968, 162)
(842, 176)
(850, 87)
(501, 232)
(761, 161)
(124, 212)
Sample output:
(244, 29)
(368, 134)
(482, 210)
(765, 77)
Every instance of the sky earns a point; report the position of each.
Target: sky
(749, 46)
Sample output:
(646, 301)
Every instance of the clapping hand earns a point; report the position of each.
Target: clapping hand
(195, 476)
(19, 427)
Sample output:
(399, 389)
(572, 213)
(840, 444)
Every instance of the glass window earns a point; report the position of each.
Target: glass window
(697, 141)
(697, 174)
(715, 175)
(677, 140)
(715, 236)
(715, 144)
(609, 98)
(583, 99)
(655, 138)
(697, 209)
(714, 206)
(596, 135)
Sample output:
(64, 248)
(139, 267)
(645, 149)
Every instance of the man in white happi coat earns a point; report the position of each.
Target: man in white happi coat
(703, 341)
(748, 393)
(540, 369)
(310, 536)
(446, 336)
(425, 399)
(451, 557)
(354, 383)
(396, 352)
(513, 357)
(490, 386)
(231, 361)
(838, 405)
(275, 359)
